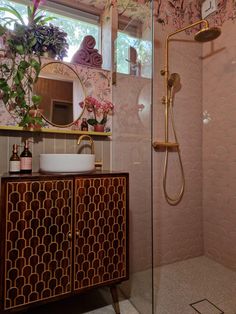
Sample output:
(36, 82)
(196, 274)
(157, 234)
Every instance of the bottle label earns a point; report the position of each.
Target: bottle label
(26, 163)
(14, 166)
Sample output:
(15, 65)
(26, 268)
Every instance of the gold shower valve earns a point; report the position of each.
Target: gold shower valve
(160, 145)
(164, 100)
(163, 72)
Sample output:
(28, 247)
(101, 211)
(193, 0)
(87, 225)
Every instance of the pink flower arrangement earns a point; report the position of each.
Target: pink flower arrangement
(99, 109)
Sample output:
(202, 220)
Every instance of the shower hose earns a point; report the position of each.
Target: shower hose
(172, 200)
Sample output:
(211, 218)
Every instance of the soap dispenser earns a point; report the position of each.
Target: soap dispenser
(14, 163)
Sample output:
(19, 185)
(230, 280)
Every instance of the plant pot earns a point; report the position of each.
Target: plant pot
(99, 127)
(49, 54)
(35, 113)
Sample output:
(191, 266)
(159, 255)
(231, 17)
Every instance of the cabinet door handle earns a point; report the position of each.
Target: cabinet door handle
(77, 234)
(69, 236)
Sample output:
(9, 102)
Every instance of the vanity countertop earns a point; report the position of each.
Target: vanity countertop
(61, 175)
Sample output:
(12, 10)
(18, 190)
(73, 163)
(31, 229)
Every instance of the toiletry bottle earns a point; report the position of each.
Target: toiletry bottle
(14, 164)
(84, 125)
(26, 159)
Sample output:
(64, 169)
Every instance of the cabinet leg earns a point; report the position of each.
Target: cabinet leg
(115, 300)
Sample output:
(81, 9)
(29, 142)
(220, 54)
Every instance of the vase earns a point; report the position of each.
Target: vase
(35, 113)
(99, 128)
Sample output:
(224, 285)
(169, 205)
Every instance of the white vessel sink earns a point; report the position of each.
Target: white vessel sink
(67, 162)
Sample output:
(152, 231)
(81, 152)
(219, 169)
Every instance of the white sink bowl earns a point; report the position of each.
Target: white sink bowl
(67, 162)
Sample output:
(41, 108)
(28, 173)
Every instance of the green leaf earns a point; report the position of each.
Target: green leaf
(29, 11)
(2, 30)
(103, 121)
(33, 42)
(92, 121)
(43, 20)
(13, 11)
(3, 82)
(24, 64)
(19, 49)
(36, 65)
(20, 74)
(36, 99)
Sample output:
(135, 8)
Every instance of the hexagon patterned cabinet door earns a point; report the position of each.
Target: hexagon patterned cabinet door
(101, 221)
(38, 252)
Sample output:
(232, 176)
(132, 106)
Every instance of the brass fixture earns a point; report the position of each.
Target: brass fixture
(207, 34)
(172, 82)
(89, 138)
(98, 164)
(159, 145)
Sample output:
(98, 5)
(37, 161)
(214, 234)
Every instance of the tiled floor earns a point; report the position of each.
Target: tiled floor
(199, 279)
(97, 301)
(125, 308)
(197, 285)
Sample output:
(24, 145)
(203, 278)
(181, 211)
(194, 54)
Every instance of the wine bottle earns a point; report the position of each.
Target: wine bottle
(14, 163)
(26, 159)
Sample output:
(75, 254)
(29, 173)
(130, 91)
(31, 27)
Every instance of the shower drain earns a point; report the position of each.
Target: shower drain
(206, 307)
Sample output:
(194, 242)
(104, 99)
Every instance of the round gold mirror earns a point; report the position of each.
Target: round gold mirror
(62, 91)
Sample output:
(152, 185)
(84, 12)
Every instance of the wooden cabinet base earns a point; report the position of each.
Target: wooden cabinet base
(62, 235)
(115, 299)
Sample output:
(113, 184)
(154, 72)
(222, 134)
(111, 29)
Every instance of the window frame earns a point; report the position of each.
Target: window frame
(91, 17)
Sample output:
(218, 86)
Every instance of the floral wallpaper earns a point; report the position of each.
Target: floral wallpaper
(178, 13)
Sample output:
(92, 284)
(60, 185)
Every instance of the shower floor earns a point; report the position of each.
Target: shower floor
(197, 285)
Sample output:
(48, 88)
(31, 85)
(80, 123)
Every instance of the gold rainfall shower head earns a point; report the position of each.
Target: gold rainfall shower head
(207, 34)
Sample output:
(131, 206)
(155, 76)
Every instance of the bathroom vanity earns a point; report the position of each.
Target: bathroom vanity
(61, 234)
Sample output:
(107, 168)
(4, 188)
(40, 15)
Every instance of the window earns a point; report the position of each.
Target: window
(75, 23)
(133, 55)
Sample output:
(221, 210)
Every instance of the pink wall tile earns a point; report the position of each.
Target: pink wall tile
(219, 147)
(178, 230)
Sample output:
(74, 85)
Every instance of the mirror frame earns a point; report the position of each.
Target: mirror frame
(49, 128)
(83, 109)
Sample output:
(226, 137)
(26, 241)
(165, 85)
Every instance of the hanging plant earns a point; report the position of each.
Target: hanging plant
(24, 46)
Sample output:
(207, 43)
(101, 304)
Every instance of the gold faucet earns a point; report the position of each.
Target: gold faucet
(89, 138)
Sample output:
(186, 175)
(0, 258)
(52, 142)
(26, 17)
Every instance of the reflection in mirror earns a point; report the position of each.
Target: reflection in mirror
(61, 91)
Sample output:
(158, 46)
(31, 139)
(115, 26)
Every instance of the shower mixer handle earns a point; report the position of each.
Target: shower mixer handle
(164, 100)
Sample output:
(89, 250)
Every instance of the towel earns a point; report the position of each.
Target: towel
(88, 43)
(87, 54)
(81, 57)
(96, 59)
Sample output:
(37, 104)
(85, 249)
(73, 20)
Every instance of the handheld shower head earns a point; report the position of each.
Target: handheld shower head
(207, 34)
(174, 80)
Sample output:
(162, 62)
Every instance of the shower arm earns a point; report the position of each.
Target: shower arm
(165, 72)
(166, 67)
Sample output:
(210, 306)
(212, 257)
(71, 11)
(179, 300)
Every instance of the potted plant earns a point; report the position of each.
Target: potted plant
(50, 40)
(23, 49)
(42, 37)
(99, 111)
